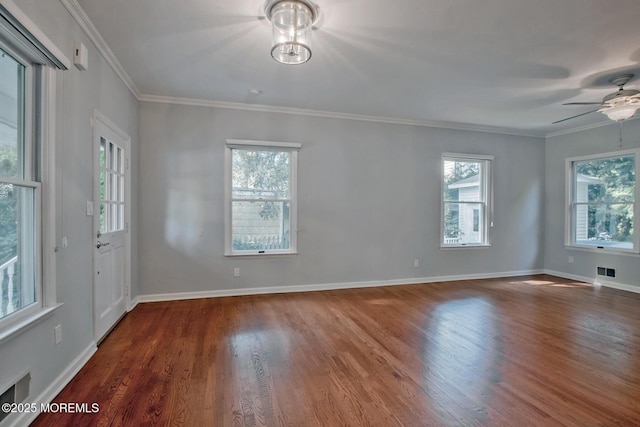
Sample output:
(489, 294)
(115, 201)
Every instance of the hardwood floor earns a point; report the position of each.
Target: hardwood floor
(534, 350)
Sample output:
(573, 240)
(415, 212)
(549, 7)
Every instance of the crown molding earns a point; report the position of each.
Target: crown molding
(587, 127)
(333, 115)
(81, 18)
(579, 129)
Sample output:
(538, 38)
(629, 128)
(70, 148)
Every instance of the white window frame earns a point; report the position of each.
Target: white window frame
(570, 195)
(291, 147)
(486, 205)
(40, 89)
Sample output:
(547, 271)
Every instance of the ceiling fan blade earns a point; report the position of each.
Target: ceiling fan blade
(573, 117)
(583, 103)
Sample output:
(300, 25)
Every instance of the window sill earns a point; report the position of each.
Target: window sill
(602, 250)
(464, 246)
(23, 325)
(266, 254)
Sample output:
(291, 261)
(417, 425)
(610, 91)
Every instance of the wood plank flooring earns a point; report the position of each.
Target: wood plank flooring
(525, 351)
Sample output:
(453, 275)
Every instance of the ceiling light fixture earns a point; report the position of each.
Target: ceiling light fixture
(292, 21)
(621, 105)
(621, 112)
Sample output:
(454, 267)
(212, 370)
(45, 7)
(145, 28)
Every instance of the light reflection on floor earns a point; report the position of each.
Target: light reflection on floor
(461, 356)
(554, 284)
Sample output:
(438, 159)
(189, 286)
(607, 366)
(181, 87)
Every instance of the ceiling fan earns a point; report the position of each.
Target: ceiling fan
(618, 106)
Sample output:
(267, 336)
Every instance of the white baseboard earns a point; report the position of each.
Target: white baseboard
(615, 285)
(174, 296)
(570, 276)
(24, 419)
(133, 303)
(596, 281)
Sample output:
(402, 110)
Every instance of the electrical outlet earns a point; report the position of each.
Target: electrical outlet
(57, 331)
(236, 272)
(611, 272)
(602, 271)
(570, 260)
(416, 263)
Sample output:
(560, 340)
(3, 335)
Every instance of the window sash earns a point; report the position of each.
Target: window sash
(28, 265)
(291, 201)
(484, 201)
(584, 235)
(21, 39)
(572, 205)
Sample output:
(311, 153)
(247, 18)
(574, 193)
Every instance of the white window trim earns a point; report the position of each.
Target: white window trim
(569, 195)
(45, 273)
(488, 204)
(293, 186)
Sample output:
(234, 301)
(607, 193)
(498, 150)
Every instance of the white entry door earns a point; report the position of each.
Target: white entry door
(111, 219)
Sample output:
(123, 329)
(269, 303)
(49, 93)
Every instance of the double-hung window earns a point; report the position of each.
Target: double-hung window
(26, 177)
(466, 200)
(602, 192)
(260, 197)
(19, 189)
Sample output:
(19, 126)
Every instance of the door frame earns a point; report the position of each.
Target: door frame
(95, 223)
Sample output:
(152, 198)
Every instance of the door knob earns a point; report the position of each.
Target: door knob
(100, 244)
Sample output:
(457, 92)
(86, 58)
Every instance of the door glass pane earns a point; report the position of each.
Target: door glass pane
(103, 218)
(119, 165)
(114, 187)
(11, 116)
(121, 188)
(121, 217)
(110, 163)
(114, 217)
(103, 156)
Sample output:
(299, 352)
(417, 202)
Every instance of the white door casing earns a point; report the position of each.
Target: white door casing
(111, 244)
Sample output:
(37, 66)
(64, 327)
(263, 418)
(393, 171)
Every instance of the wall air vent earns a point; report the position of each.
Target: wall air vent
(15, 393)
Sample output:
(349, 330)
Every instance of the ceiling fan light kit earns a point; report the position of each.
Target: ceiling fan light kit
(292, 23)
(617, 106)
(621, 112)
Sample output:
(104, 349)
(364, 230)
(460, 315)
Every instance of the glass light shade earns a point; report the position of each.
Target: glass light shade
(622, 112)
(292, 22)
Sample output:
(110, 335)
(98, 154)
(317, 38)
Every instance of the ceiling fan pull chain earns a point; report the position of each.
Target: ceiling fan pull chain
(620, 123)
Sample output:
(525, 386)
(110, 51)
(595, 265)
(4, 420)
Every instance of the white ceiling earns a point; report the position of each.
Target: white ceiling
(507, 64)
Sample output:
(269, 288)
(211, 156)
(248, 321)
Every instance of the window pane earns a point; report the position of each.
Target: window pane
(120, 189)
(119, 164)
(462, 181)
(121, 217)
(463, 224)
(260, 225)
(605, 180)
(604, 225)
(103, 219)
(17, 248)
(110, 157)
(113, 186)
(11, 116)
(260, 174)
(103, 156)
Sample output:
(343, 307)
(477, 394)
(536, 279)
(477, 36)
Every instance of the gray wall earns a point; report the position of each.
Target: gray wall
(369, 201)
(594, 141)
(78, 93)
